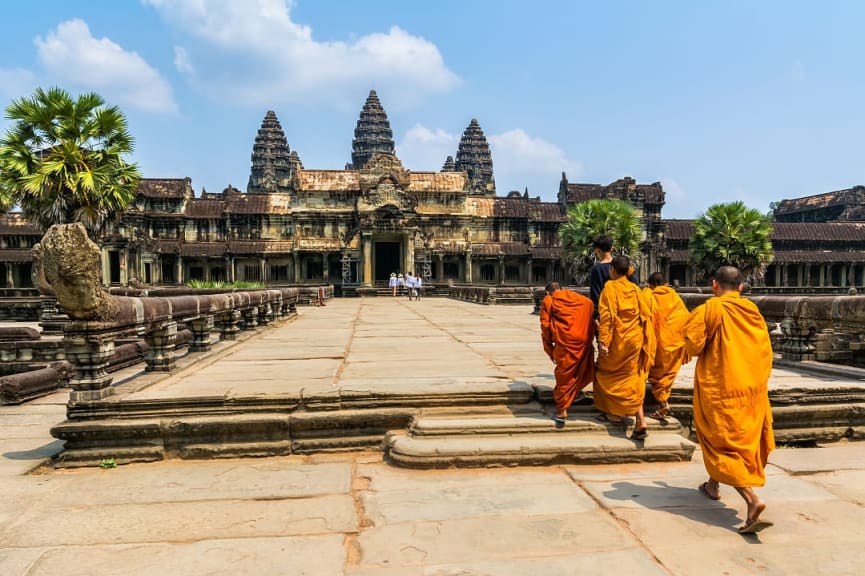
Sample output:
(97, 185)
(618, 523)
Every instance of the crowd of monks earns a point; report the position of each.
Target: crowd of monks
(643, 336)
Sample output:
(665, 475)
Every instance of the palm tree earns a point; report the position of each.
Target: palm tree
(615, 218)
(63, 159)
(731, 234)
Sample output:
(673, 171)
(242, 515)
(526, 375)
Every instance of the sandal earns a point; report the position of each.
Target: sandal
(640, 433)
(661, 413)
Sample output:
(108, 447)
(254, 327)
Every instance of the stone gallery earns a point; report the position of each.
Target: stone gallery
(354, 227)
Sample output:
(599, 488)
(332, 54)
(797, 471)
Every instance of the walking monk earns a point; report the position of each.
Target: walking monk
(626, 349)
(669, 314)
(731, 392)
(567, 332)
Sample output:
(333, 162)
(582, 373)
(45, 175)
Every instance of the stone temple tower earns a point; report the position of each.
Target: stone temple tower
(473, 156)
(372, 134)
(273, 164)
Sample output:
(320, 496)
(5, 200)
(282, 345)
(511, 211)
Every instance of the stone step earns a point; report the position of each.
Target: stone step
(538, 449)
(579, 423)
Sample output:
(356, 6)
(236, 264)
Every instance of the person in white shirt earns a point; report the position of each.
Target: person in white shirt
(418, 284)
(392, 283)
(400, 283)
(409, 283)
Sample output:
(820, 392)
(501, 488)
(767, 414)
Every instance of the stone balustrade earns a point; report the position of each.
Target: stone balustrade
(492, 294)
(90, 344)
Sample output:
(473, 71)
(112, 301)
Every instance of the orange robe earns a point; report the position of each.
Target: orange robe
(732, 414)
(567, 330)
(669, 315)
(625, 328)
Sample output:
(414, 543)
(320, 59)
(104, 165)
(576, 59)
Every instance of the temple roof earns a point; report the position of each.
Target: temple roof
(473, 157)
(805, 232)
(517, 207)
(623, 189)
(14, 223)
(372, 134)
(846, 197)
(173, 188)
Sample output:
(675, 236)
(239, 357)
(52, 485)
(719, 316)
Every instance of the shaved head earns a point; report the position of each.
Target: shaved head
(621, 264)
(552, 287)
(727, 277)
(656, 279)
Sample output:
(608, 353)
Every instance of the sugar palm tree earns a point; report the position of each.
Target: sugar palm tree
(63, 159)
(731, 234)
(615, 218)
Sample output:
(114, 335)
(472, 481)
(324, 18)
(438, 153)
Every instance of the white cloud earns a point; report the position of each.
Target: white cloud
(520, 159)
(425, 149)
(70, 55)
(182, 62)
(256, 53)
(16, 82)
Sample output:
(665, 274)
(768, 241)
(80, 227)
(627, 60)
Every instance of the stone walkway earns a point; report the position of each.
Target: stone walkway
(355, 515)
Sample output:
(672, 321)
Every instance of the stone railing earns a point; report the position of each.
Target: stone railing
(305, 294)
(492, 294)
(90, 344)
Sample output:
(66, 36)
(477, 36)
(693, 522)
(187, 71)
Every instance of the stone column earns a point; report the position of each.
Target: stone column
(366, 256)
(161, 339)
(822, 276)
(10, 276)
(262, 269)
(850, 274)
(501, 270)
(89, 353)
(844, 271)
(325, 269)
(229, 269)
(529, 272)
(201, 327)
(807, 275)
(785, 275)
(410, 254)
(250, 318)
(440, 269)
(468, 273)
(124, 267)
(777, 274)
(296, 262)
(179, 272)
(228, 324)
(265, 314)
(548, 272)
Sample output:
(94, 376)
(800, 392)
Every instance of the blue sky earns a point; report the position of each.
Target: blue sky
(756, 101)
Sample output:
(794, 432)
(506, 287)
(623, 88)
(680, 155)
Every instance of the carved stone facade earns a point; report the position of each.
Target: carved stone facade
(353, 227)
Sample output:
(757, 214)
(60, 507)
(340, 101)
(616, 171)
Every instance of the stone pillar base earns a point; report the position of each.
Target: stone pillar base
(160, 357)
(201, 327)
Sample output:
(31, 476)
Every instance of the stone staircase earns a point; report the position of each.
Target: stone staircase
(464, 440)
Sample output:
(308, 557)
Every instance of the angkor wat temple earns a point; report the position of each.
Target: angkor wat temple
(354, 227)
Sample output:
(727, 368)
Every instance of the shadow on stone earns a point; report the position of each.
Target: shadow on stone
(46, 451)
(685, 502)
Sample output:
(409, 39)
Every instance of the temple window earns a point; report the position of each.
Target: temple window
(488, 272)
(512, 273)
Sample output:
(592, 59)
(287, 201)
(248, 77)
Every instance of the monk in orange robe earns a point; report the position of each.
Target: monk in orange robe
(732, 414)
(669, 314)
(567, 331)
(626, 349)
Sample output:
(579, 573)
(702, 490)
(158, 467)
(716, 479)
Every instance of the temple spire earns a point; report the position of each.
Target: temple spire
(449, 165)
(273, 164)
(372, 134)
(473, 157)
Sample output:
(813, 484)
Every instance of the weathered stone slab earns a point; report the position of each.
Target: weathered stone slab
(810, 460)
(292, 555)
(139, 523)
(631, 561)
(484, 540)
(534, 449)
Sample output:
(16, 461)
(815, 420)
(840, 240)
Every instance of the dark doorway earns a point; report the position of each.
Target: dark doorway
(114, 266)
(386, 259)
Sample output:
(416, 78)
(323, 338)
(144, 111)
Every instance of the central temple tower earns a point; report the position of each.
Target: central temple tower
(372, 135)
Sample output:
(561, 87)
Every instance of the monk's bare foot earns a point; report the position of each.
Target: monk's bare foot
(753, 524)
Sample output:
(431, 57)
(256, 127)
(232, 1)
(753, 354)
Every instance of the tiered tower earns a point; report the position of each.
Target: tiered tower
(449, 165)
(372, 134)
(273, 164)
(473, 156)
